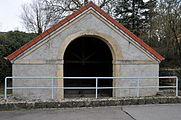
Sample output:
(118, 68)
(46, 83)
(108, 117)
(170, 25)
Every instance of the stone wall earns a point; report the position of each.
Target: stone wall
(13, 105)
(137, 70)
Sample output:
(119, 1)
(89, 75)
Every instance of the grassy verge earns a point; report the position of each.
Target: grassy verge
(1, 90)
(9, 92)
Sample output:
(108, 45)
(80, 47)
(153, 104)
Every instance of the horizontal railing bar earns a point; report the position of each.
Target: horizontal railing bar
(91, 77)
(79, 88)
(138, 87)
(90, 87)
(28, 87)
(136, 77)
(51, 87)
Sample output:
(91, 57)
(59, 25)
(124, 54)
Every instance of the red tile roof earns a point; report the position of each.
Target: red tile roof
(47, 32)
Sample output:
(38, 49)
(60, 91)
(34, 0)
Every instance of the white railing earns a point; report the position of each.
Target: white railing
(53, 87)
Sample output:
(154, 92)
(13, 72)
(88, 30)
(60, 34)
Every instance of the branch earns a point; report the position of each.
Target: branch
(77, 3)
(104, 3)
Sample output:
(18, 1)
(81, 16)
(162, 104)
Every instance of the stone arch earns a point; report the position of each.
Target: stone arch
(109, 40)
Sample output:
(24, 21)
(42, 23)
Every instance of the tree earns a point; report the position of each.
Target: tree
(169, 27)
(63, 8)
(9, 42)
(35, 18)
(42, 14)
(135, 14)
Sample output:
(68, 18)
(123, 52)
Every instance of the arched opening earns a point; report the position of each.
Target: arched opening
(87, 57)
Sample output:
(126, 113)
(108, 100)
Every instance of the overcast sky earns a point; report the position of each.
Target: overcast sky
(10, 11)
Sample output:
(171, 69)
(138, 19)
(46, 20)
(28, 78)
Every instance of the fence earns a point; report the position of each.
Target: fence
(96, 88)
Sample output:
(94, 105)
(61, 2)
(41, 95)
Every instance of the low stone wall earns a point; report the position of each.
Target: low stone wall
(72, 103)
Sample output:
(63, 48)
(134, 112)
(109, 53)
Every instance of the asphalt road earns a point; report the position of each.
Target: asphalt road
(141, 112)
(155, 112)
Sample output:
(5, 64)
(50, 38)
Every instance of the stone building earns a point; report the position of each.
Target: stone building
(88, 43)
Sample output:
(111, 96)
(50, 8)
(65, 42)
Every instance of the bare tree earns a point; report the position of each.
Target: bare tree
(169, 25)
(34, 18)
(62, 8)
(42, 14)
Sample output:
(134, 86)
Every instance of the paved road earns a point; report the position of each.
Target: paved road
(155, 112)
(146, 112)
(104, 113)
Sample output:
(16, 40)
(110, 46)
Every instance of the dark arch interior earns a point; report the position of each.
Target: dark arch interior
(87, 57)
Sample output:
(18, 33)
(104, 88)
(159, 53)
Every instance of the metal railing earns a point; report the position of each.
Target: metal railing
(96, 88)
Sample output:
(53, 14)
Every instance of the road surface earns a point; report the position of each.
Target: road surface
(135, 112)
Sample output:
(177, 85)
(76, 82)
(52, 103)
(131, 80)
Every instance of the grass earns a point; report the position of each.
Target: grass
(1, 90)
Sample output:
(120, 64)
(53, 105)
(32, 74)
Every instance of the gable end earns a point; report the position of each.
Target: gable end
(48, 33)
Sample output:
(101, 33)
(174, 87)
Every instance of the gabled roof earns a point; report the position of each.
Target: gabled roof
(28, 45)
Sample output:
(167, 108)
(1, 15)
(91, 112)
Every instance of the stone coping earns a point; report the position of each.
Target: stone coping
(85, 102)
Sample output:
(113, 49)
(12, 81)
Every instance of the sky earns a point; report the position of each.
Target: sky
(10, 11)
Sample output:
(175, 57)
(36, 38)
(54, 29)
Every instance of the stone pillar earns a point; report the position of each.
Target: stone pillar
(116, 73)
(60, 82)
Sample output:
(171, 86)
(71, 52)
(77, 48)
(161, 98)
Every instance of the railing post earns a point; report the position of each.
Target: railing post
(5, 89)
(96, 86)
(176, 86)
(138, 89)
(52, 88)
